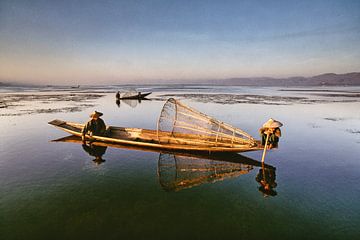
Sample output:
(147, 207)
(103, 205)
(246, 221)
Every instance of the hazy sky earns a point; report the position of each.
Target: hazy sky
(77, 42)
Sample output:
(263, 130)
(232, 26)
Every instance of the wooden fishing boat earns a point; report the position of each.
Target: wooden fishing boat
(149, 138)
(179, 128)
(135, 96)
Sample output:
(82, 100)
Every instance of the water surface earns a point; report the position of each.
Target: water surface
(55, 190)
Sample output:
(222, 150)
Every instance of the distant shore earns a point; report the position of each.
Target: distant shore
(327, 79)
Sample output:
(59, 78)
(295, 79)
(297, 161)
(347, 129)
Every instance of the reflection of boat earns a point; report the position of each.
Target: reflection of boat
(179, 128)
(179, 170)
(134, 102)
(229, 157)
(138, 95)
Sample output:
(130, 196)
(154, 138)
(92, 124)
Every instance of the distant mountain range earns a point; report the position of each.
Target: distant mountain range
(327, 79)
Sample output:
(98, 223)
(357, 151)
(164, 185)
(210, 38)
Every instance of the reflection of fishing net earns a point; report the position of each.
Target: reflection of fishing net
(180, 172)
(181, 124)
(131, 102)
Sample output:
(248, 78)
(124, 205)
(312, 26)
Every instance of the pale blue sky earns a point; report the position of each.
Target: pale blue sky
(66, 42)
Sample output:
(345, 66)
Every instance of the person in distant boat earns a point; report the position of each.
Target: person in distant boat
(95, 126)
(139, 94)
(118, 94)
(266, 178)
(271, 128)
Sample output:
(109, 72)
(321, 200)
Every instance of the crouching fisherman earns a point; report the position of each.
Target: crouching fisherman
(270, 130)
(95, 126)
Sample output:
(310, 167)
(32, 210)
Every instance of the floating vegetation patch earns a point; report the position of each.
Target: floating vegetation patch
(45, 110)
(334, 119)
(251, 99)
(347, 95)
(22, 104)
(353, 131)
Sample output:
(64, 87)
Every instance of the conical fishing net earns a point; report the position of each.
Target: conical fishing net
(181, 124)
(130, 93)
(180, 172)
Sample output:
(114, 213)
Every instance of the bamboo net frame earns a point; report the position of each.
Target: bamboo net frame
(180, 123)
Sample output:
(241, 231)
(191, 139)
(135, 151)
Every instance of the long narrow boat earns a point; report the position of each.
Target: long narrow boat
(149, 138)
(136, 96)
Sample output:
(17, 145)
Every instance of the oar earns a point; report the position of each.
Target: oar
(264, 152)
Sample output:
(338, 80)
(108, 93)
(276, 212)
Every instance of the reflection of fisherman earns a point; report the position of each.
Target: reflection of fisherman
(118, 94)
(266, 177)
(271, 128)
(95, 126)
(95, 151)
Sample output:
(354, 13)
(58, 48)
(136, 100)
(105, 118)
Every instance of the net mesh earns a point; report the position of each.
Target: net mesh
(179, 123)
(130, 93)
(180, 172)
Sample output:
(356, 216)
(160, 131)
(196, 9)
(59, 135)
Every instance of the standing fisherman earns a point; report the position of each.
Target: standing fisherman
(95, 126)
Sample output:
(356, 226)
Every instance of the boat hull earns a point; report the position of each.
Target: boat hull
(141, 96)
(147, 138)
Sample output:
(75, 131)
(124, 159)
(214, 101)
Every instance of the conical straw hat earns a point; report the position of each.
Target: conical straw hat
(99, 114)
(271, 123)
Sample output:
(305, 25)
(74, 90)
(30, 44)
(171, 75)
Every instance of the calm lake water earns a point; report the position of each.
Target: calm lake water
(53, 190)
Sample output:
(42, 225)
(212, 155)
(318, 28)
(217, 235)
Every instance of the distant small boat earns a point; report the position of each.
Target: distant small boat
(135, 96)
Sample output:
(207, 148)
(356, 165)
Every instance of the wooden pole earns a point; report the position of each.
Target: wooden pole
(265, 147)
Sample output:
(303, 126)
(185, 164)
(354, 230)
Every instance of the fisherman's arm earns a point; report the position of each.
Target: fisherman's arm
(84, 131)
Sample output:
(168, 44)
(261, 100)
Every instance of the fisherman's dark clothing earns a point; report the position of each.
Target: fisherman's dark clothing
(94, 127)
(273, 137)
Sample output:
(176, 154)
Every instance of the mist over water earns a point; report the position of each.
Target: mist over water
(56, 190)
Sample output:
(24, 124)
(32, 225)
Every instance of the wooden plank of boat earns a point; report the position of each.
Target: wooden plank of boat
(149, 138)
(137, 96)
